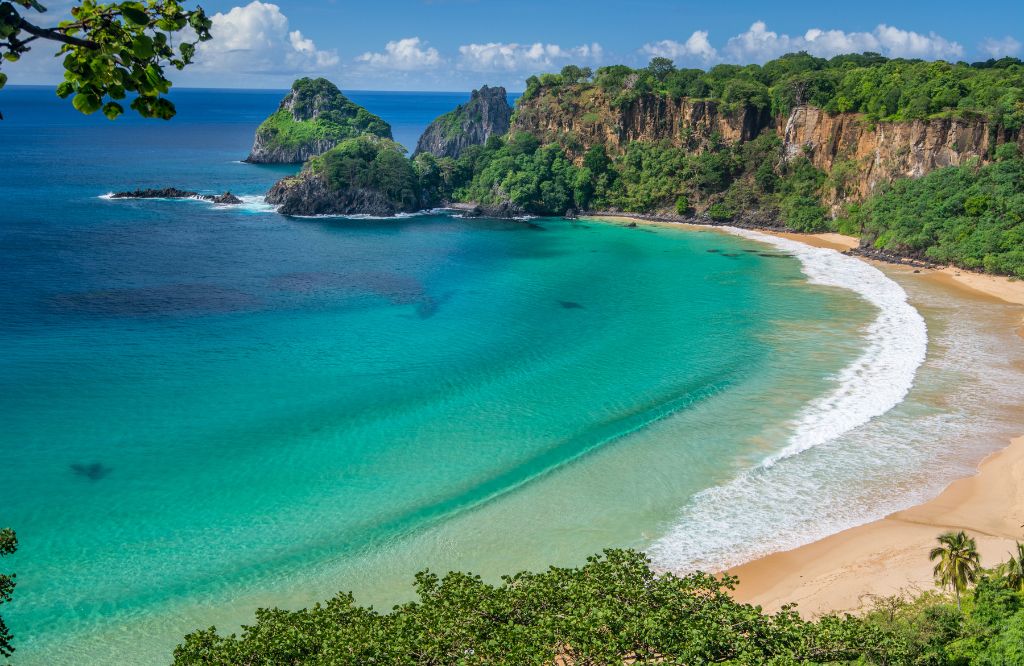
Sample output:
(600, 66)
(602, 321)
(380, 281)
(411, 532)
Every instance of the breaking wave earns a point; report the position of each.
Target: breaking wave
(766, 507)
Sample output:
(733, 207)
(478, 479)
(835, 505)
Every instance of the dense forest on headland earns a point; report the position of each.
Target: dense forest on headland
(727, 145)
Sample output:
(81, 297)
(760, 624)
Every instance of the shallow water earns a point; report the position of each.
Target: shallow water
(209, 408)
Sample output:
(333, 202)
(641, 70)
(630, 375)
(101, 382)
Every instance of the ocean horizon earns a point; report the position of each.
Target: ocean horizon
(209, 409)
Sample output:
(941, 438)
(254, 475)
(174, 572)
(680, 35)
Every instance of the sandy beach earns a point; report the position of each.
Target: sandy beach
(846, 571)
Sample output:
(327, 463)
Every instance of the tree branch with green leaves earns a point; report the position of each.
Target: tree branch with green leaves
(110, 50)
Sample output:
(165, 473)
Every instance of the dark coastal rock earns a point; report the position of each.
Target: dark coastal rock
(174, 193)
(504, 210)
(309, 194)
(890, 257)
(312, 118)
(486, 114)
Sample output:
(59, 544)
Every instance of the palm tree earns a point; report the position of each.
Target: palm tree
(1013, 569)
(958, 563)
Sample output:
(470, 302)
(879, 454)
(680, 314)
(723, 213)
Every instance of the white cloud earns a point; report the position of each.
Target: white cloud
(256, 39)
(759, 44)
(907, 44)
(406, 54)
(697, 47)
(997, 48)
(512, 57)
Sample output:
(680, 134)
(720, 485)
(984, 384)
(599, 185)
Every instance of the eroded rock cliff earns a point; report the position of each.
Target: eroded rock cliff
(862, 155)
(859, 155)
(590, 118)
(486, 114)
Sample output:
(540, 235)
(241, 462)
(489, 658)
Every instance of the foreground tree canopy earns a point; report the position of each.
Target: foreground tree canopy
(8, 544)
(110, 50)
(615, 610)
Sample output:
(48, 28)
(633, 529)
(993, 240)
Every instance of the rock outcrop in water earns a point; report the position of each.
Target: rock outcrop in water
(313, 118)
(175, 193)
(486, 114)
(362, 176)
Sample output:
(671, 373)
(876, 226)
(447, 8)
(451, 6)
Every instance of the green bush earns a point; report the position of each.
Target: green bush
(720, 212)
(971, 216)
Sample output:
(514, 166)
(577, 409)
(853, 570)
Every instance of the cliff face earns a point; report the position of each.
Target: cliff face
(312, 118)
(486, 114)
(587, 119)
(869, 155)
(859, 155)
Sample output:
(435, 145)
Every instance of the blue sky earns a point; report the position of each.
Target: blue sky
(461, 44)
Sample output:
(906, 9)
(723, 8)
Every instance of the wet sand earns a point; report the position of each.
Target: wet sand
(848, 570)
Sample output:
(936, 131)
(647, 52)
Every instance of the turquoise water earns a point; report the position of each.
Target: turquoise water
(207, 408)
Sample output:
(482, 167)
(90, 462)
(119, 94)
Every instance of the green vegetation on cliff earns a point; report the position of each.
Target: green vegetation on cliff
(370, 163)
(614, 609)
(313, 117)
(971, 216)
(723, 181)
(881, 88)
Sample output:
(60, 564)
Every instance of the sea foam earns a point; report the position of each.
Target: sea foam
(774, 504)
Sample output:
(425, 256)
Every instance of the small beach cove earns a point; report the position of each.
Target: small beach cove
(848, 571)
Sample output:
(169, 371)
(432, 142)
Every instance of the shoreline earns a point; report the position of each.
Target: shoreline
(1000, 287)
(846, 571)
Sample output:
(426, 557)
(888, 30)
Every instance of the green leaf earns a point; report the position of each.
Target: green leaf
(12, 57)
(86, 103)
(134, 15)
(3, 79)
(65, 89)
(142, 47)
(112, 110)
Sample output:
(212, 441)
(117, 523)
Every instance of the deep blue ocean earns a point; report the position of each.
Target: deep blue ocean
(206, 409)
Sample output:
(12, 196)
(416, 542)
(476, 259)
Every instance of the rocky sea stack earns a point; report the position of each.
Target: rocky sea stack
(367, 175)
(313, 118)
(487, 114)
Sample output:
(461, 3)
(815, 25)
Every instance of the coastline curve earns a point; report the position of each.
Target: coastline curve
(874, 383)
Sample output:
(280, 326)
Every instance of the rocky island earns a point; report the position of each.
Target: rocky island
(313, 118)
(175, 193)
(366, 175)
(487, 114)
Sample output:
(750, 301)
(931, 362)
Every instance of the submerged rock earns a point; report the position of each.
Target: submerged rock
(486, 114)
(175, 193)
(91, 471)
(313, 118)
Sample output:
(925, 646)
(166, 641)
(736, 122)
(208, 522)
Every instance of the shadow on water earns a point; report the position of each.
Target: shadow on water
(570, 305)
(155, 301)
(92, 471)
(429, 305)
